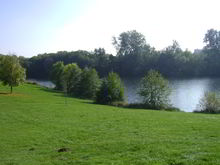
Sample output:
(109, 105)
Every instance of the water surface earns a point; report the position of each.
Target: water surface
(185, 95)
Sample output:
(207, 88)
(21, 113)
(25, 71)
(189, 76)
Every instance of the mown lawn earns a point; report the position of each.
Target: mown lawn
(38, 127)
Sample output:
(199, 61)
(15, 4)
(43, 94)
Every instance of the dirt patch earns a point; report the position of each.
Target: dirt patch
(63, 150)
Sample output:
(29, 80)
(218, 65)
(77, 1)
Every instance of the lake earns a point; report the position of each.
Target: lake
(185, 95)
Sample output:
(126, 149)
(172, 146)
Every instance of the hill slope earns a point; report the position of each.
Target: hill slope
(38, 126)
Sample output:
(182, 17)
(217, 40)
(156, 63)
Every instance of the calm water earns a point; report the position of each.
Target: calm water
(44, 83)
(185, 95)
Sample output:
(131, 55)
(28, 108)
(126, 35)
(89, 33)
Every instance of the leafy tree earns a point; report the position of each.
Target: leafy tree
(212, 49)
(209, 103)
(111, 90)
(71, 78)
(56, 74)
(12, 73)
(130, 42)
(212, 40)
(154, 90)
(130, 47)
(89, 83)
(101, 61)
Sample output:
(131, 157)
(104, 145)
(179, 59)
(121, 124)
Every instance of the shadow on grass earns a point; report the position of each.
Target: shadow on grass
(205, 112)
(88, 102)
(50, 90)
(4, 93)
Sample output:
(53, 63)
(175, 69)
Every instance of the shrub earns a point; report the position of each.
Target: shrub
(209, 103)
(89, 83)
(111, 90)
(154, 90)
(56, 74)
(71, 78)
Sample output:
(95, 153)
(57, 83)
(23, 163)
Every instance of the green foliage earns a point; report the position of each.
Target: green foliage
(12, 73)
(89, 83)
(71, 79)
(155, 90)
(135, 57)
(209, 103)
(111, 90)
(129, 43)
(212, 40)
(56, 74)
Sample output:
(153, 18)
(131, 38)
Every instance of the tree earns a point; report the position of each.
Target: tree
(130, 47)
(12, 73)
(212, 49)
(154, 90)
(209, 103)
(212, 40)
(89, 83)
(128, 43)
(56, 74)
(71, 78)
(111, 90)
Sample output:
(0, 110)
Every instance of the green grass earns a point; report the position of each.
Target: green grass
(35, 123)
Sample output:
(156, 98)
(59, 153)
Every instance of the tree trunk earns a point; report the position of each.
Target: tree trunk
(11, 89)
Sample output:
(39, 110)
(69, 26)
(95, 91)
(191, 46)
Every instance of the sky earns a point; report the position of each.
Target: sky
(32, 27)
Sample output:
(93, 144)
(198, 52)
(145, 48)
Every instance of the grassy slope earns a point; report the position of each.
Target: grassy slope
(36, 123)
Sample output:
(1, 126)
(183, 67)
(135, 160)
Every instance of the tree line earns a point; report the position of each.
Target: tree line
(135, 57)
(85, 83)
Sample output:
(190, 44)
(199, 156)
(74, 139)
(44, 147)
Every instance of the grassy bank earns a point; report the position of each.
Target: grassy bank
(37, 126)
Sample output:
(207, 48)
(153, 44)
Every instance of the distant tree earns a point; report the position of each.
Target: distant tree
(71, 78)
(56, 74)
(12, 73)
(209, 103)
(174, 48)
(99, 51)
(129, 43)
(111, 90)
(155, 90)
(89, 83)
(212, 49)
(212, 40)
(101, 61)
(130, 47)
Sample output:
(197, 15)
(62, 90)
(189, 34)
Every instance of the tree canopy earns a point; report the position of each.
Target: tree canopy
(12, 73)
(135, 57)
(56, 74)
(71, 78)
(111, 90)
(154, 90)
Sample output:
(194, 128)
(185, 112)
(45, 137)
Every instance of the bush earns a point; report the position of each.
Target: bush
(209, 103)
(89, 83)
(154, 90)
(56, 74)
(71, 79)
(111, 90)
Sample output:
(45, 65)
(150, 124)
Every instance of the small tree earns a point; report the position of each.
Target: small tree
(71, 78)
(89, 83)
(111, 90)
(155, 90)
(56, 74)
(209, 103)
(12, 73)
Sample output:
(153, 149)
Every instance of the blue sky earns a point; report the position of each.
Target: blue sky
(28, 27)
(31, 27)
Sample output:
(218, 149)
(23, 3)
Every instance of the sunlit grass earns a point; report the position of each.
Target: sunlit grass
(41, 126)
